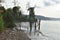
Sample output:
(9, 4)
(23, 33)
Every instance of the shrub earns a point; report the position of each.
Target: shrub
(1, 23)
(8, 19)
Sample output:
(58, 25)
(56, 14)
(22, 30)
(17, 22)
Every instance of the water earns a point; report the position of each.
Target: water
(50, 30)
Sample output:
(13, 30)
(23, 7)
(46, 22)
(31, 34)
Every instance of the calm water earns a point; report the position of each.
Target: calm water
(51, 30)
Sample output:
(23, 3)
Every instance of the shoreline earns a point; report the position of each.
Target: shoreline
(9, 34)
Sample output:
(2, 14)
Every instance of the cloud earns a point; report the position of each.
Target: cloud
(49, 11)
(49, 2)
(46, 3)
(57, 1)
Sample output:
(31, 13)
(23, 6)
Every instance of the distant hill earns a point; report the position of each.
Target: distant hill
(47, 18)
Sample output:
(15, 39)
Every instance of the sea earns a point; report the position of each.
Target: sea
(49, 30)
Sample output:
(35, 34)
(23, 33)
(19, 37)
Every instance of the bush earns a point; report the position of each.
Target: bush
(1, 23)
(8, 19)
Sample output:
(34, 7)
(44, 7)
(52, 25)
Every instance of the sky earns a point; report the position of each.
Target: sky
(48, 8)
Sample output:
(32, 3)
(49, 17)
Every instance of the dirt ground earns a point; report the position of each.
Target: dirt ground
(9, 34)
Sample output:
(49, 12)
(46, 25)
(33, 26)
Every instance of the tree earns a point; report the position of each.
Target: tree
(2, 9)
(17, 14)
(20, 17)
(2, 26)
(16, 9)
(31, 17)
(1, 23)
(1, 2)
(8, 18)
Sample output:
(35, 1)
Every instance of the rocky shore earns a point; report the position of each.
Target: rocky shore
(9, 34)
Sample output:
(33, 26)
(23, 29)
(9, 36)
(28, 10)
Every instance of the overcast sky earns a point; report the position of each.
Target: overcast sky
(49, 8)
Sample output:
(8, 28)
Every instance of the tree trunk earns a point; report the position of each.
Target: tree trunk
(35, 25)
(39, 24)
(30, 27)
(20, 25)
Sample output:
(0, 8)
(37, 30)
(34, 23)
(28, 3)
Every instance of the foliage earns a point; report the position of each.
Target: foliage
(1, 23)
(2, 9)
(11, 15)
(31, 17)
(15, 9)
(8, 19)
(2, 26)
